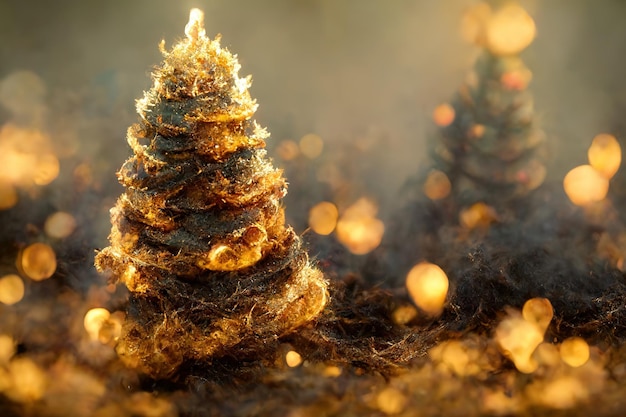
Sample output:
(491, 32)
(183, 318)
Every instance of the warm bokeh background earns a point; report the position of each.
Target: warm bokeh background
(345, 70)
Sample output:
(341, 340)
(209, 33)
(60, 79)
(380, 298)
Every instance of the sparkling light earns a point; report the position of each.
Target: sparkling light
(574, 351)
(427, 285)
(293, 359)
(443, 115)
(38, 261)
(94, 321)
(11, 289)
(60, 225)
(584, 185)
(358, 229)
(311, 145)
(323, 218)
(605, 154)
(437, 185)
(510, 30)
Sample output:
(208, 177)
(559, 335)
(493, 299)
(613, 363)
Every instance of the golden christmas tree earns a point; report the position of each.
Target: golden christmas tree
(199, 236)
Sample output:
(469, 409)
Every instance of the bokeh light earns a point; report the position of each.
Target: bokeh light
(510, 30)
(38, 261)
(94, 321)
(427, 285)
(391, 401)
(518, 339)
(28, 381)
(443, 115)
(60, 225)
(323, 218)
(538, 311)
(293, 359)
(11, 289)
(311, 145)
(437, 185)
(574, 351)
(478, 215)
(585, 185)
(605, 154)
(288, 150)
(358, 229)
(516, 80)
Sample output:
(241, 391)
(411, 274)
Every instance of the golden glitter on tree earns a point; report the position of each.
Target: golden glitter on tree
(199, 236)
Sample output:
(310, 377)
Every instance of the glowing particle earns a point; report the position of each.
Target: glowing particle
(293, 359)
(7, 348)
(8, 195)
(94, 320)
(605, 154)
(38, 261)
(323, 218)
(427, 285)
(288, 150)
(331, 371)
(391, 401)
(478, 215)
(404, 314)
(311, 145)
(11, 289)
(28, 381)
(46, 170)
(358, 229)
(437, 185)
(510, 30)
(574, 351)
(584, 185)
(443, 115)
(518, 339)
(538, 311)
(60, 225)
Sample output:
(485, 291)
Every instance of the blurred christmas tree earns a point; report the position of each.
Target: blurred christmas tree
(489, 149)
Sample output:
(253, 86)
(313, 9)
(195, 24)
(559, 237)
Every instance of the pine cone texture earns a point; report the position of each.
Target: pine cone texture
(199, 237)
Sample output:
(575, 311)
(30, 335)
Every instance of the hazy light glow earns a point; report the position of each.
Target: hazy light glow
(38, 261)
(443, 115)
(60, 225)
(510, 30)
(311, 145)
(437, 185)
(605, 155)
(427, 285)
(11, 289)
(323, 218)
(585, 185)
(358, 229)
(574, 351)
